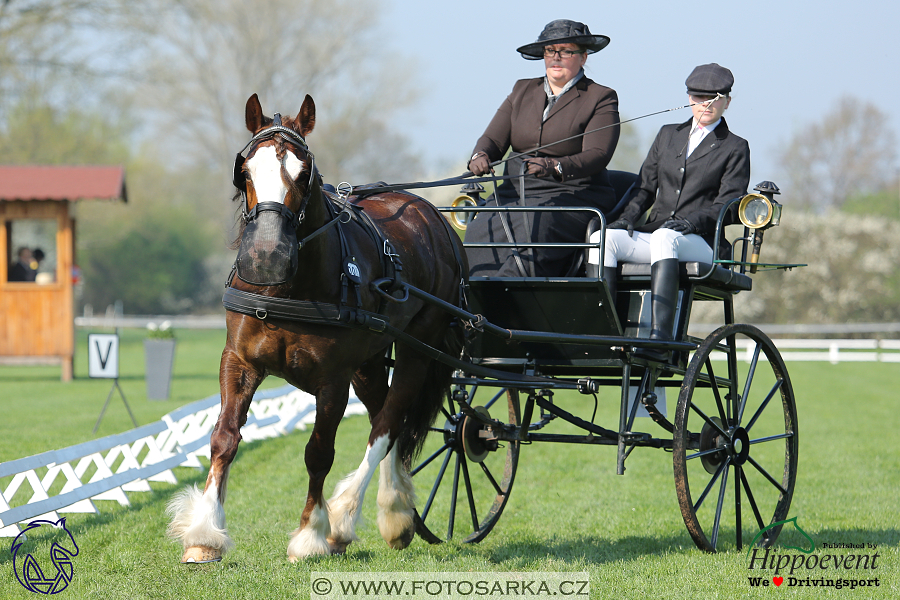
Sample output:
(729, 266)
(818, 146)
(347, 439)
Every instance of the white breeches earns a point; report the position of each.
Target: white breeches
(649, 247)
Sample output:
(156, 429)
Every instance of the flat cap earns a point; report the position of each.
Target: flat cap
(709, 79)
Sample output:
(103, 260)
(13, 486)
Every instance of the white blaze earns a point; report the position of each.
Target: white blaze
(265, 172)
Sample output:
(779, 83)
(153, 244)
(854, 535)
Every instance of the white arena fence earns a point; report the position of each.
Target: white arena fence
(832, 351)
(107, 468)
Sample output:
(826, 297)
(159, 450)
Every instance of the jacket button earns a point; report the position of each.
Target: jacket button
(677, 191)
(672, 214)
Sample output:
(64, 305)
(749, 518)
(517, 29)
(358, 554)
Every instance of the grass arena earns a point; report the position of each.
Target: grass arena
(569, 512)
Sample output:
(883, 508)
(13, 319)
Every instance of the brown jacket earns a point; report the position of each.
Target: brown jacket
(585, 183)
(585, 107)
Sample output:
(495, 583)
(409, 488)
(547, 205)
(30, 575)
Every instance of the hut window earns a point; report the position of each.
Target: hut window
(31, 246)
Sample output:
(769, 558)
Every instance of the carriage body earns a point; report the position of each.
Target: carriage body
(733, 436)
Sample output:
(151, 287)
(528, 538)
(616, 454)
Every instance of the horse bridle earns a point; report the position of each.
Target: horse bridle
(240, 183)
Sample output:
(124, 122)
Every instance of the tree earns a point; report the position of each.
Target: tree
(851, 151)
(204, 58)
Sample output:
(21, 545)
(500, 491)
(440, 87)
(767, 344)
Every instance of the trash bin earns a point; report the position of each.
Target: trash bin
(160, 358)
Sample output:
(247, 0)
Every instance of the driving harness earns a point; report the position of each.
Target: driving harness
(276, 225)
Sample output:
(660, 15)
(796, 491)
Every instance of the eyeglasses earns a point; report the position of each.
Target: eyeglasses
(550, 53)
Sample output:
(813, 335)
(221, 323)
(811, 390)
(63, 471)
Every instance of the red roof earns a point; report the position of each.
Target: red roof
(61, 183)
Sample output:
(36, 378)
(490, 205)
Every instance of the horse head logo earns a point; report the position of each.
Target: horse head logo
(812, 544)
(29, 572)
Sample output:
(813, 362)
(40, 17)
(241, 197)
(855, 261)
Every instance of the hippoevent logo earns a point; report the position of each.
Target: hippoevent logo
(40, 578)
(812, 565)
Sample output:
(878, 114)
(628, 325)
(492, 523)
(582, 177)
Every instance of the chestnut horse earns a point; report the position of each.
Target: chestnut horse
(322, 358)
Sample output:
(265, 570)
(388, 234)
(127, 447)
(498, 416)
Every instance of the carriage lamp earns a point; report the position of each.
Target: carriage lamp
(759, 212)
(469, 195)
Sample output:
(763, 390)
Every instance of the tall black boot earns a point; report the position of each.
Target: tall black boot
(663, 300)
(611, 274)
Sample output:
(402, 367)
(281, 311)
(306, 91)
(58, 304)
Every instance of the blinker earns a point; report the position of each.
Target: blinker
(237, 177)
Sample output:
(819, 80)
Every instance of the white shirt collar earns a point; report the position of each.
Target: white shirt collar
(698, 132)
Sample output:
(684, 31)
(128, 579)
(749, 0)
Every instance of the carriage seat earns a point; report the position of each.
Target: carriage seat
(721, 278)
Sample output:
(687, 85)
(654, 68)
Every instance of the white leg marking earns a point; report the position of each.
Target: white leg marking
(344, 506)
(312, 539)
(396, 501)
(265, 172)
(198, 519)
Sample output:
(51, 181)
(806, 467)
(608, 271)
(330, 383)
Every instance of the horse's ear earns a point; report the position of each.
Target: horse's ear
(253, 115)
(306, 118)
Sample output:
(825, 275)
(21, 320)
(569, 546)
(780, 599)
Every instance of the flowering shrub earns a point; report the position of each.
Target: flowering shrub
(853, 273)
(163, 331)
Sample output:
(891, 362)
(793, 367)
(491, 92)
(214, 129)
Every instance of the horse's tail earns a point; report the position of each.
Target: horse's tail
(428, 405)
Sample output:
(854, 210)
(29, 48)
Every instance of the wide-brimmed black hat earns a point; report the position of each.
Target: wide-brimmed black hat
(563, 31)
(708, 80)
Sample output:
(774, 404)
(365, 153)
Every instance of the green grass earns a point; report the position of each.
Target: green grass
(568, 510)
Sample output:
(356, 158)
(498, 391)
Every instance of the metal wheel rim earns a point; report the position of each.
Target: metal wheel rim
(742, 472)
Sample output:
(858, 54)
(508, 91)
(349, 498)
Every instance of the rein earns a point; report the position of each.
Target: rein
(467, 177)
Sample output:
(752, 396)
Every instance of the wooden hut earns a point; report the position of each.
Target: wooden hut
(37, 258)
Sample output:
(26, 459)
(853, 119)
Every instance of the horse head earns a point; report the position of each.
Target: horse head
(277, 178)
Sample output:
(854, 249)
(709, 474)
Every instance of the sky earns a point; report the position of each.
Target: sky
(792, 62)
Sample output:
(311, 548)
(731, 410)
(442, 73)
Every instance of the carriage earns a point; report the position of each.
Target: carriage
(369, 286)
(733, 437)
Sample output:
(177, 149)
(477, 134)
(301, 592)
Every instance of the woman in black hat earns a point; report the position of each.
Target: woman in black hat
(692, 169)
(560, 105)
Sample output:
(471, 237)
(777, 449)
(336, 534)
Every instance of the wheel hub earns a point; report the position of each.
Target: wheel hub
(477, 439)
(740, 446)
(711, 438)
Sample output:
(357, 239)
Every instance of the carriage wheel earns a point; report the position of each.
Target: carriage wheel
(468, 474)
(735, 445)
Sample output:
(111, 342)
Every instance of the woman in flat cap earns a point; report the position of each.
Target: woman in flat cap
(561, 104)
(692, 169)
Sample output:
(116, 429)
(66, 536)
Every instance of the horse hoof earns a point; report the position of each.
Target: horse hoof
(338, 547)
(200, 555)
(405, 539)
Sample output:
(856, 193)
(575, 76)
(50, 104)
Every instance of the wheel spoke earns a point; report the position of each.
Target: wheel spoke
(704, 453)
(437, 484)
(765, 402)
(752, 501)
(766, 475)
(738, 473)
(469, 495)
(715, 389)
(452, 518)
(772, 438)
(495, 398)
(708, 420)
(491, 479)
(429, 459)
(711, 484)
(719, 504)
(750, 374)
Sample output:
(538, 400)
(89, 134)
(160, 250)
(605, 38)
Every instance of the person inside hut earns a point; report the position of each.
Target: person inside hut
(575, 123)
(22, 269)
(692, 169)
